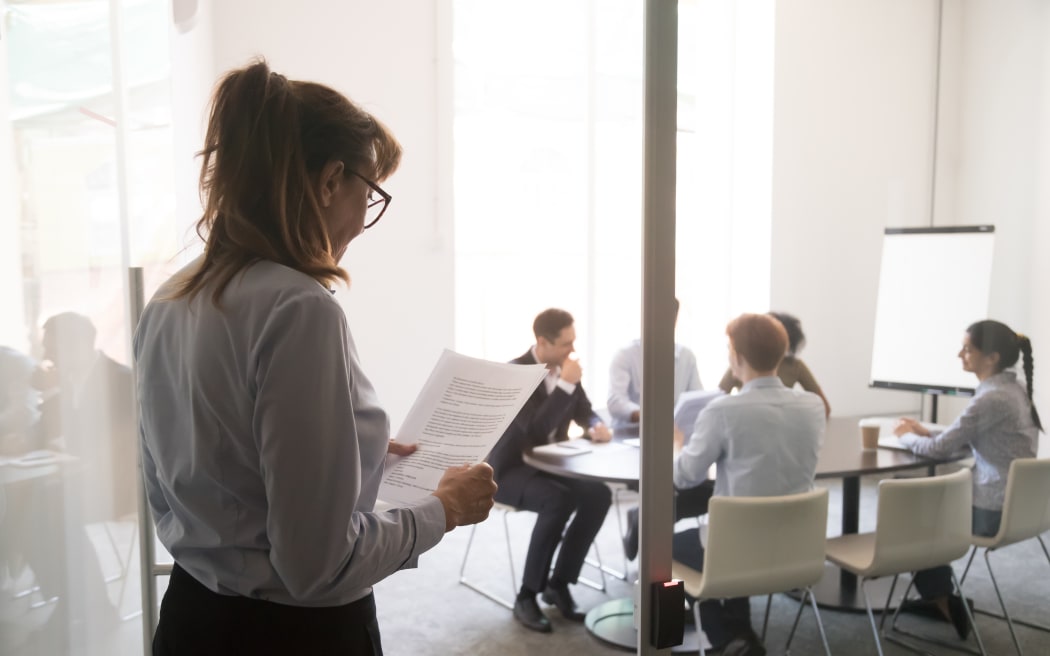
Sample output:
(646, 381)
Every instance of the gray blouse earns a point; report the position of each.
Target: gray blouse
(263, 444)
(997, 426)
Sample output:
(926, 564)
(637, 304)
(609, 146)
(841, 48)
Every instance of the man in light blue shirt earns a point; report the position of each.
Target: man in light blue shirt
(625, 380)
(764, 441)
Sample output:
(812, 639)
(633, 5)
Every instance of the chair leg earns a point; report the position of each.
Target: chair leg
(765, 622)
(820, 624)
(1004, 615)
(510, 557)
(895, 631)
(969, 561)
(808, 594)
(477, 588)
(871, 616)
(700, 635)
(1002, 604)
(794, 625)
(596, 563)
(973, 624)
(897, 610)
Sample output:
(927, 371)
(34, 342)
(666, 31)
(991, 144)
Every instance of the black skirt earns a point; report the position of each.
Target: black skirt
(194, 620)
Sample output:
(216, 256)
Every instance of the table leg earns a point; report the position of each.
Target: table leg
(850, 525)
(838, 589)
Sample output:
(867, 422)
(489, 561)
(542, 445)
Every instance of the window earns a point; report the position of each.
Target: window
(548, 173)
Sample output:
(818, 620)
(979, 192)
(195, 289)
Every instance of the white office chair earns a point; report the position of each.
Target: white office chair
(505, 510)
(921, 523)
(759, 546)
(1026, 515)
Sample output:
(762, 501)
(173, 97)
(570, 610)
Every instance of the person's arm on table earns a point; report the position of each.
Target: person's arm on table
(962, 432)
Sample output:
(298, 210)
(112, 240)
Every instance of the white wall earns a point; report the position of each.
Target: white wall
(854, 133)
(387, 57)
(852, 145)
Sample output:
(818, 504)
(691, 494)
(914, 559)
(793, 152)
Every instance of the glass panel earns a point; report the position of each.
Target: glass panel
(69, 569)
(548, 178)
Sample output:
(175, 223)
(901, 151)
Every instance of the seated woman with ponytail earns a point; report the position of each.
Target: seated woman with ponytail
(999, 424)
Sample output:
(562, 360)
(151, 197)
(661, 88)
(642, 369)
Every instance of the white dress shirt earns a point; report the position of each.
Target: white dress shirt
(263, 444)
(625, 380)
(764, 440)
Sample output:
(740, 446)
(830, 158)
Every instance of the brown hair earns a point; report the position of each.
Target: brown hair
(760, 339)
(990, 336)
(268, 138)
(550, 323)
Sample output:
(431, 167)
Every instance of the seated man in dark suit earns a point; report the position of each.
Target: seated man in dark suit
(545, 418)
(764, 442)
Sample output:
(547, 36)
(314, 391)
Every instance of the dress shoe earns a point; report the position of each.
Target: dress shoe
(630, 539)
(744, 645)
(528, 612)
(558, 595)
(931, 608)
(957, 614)
(922, 608)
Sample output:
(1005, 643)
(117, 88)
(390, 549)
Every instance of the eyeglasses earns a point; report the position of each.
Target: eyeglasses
(377, 202)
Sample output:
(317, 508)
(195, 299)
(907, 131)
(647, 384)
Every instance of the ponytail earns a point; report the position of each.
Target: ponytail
(1025, 345)
(267, 138)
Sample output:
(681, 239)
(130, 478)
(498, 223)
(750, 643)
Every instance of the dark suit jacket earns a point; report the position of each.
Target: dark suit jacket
(541, 414)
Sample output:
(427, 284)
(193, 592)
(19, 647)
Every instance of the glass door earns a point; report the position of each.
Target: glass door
(85, 193)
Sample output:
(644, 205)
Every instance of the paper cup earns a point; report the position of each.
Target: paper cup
(869, 433)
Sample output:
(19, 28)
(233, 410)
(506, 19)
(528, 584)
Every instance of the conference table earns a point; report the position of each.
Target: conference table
(841, 457)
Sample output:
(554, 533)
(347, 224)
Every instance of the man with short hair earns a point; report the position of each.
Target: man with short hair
(625, 379)
(545, 418)
(624, 403)
(764, 441)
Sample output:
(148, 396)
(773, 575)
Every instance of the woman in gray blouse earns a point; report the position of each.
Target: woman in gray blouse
(262, 439)
(998, 425)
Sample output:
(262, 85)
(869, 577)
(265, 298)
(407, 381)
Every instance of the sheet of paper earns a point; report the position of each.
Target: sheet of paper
(566, 448)
(464, 408)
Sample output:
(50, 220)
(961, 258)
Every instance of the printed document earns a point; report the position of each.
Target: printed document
(464, 408)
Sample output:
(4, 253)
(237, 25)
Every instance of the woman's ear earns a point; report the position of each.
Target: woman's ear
(331, 178)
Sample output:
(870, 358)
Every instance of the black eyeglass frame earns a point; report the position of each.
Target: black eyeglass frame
(384, 198)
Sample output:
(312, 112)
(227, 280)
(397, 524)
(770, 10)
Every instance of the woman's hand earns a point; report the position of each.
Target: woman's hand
(398, 449)
(905, 425)
(467, 493)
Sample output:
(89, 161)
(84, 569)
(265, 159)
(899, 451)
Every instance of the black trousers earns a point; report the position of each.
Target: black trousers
(196, 621)
(555, 500)
(937, 581)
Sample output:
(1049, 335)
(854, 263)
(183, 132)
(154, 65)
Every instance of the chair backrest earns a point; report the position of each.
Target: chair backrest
(762, 545)
(922, 522)
(1026, 510)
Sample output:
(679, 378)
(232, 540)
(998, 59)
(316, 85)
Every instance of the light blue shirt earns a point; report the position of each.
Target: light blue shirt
(625, 380)
(997, 425)
(764, 441)
(263, 444)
